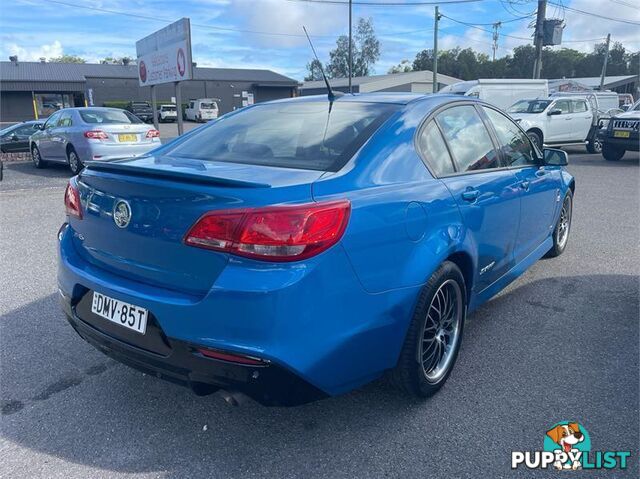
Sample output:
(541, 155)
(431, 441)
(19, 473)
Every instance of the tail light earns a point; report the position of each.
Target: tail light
(153, 134)
(276, 233)
(72, 201)
(96, 135)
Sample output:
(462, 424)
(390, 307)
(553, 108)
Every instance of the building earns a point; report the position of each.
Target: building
(416, 82)
(619, 84)
(31, 90)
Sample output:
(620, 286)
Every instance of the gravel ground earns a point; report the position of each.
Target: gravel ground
(561, 343)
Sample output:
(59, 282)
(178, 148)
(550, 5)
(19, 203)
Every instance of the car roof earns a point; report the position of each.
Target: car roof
(382, 98)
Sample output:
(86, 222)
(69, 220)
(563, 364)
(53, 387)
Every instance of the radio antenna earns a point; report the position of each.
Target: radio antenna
(331, 95)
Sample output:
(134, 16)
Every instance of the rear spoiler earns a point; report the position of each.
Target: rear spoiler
(175, 174)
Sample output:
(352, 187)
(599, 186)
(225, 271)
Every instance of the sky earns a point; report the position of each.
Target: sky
(268, 33)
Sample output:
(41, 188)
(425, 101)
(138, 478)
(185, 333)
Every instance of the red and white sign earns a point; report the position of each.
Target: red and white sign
(165, 56)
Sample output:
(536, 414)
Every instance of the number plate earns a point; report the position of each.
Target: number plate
(125, 314)
(128, 138)
(621, 134)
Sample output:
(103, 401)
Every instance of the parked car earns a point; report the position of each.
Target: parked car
(141, 109)
(558, 121)
(15, 138)
(621, 134)
(167, 113)
(77, 135)
(499, 91)
(201, 110)
(298, 249)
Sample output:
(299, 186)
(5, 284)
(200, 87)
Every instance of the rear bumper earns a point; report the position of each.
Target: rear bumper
(321, 333)
(103, 151)
(181, 363)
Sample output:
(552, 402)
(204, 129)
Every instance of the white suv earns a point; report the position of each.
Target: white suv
(558, 121)
(167, 113)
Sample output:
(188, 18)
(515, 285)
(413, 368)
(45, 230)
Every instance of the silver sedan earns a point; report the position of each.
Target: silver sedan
(77, 135)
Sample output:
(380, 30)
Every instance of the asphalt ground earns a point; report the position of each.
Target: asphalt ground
(560, 343)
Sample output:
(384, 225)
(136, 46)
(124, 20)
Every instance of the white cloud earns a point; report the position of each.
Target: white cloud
(35, 53)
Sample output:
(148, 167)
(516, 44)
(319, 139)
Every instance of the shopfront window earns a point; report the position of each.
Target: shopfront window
(49, 103)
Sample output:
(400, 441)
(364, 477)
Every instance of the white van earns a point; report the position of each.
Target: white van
(201, 110)
(501, 92)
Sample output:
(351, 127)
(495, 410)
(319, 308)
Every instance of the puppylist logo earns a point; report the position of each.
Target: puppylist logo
(567, 446)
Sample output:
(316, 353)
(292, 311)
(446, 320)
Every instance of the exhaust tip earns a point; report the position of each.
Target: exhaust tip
(234, 398)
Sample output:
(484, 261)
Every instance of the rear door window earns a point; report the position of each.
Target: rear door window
(303, 135)
(563, 106)
(579, 106)
(434, 150)
(514, 144)
(468, 139)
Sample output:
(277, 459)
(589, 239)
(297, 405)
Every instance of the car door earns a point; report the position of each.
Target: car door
(59, 135)
(487, 193)
(581, 120)
(44, 137)
(17, 139)
(558, 122)
(539, 184)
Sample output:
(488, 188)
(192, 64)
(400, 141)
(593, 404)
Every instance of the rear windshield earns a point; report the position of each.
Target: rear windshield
(108, 117)
(290, 135)
(207, 106)
(529, 106)
(168, 108)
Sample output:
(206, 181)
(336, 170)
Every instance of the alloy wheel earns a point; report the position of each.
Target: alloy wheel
(441, 332)
(564, 223)
(35, 156)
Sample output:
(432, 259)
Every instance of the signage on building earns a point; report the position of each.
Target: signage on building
(165, 55)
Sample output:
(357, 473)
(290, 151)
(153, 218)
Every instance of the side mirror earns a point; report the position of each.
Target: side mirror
(555, 157)
(13, 137)
(555, 111)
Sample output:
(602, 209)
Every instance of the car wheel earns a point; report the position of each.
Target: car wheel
(38, 162)
(433, 340)
(563, 227)
(611, 153)
(75, 164)
(535, 139)
(594, 146)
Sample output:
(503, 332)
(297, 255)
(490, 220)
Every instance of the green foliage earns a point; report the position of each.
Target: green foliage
(403, 67)
(468, 64)
(365, 51)
(67, 59)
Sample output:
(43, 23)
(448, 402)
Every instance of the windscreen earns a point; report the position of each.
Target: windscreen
(529, 106)
(108, 117)
(305, 135)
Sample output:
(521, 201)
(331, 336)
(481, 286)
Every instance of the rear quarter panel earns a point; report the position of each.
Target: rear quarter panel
(404, 222)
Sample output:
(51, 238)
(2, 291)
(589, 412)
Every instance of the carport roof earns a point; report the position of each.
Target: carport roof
(79, 72)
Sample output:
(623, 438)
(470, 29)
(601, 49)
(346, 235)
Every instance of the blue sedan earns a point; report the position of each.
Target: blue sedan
(298, 249)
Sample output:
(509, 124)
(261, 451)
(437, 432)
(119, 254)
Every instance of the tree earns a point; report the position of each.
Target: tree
(365, 51)
(314, 67)
(118, 61)
(67, 59)
(423, 61)
(403, 67)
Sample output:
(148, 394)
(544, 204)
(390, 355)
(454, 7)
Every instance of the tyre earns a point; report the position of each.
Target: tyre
(75, 164)
(594, 145)
(611, 153)
(535, 138)
(38, 162)
(563, 227)
(433, 340)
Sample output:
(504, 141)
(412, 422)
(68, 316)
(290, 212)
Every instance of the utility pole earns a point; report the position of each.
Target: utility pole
(539, 37)
(350, 48)
(606, 60)
(435, 51)
(495, 38)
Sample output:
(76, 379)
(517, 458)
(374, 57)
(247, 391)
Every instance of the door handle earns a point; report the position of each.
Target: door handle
(470, 195)
(524, 185)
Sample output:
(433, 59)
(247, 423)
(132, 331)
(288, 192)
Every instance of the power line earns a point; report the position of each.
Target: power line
(583, 12)
(473, 25)
(387, 4)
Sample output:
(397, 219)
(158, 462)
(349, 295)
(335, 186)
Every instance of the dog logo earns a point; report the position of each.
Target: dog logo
(122, 214)
(567, 447)
(567, 436)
